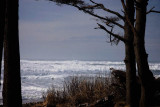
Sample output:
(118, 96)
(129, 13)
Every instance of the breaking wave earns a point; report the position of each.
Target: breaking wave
(38, 76)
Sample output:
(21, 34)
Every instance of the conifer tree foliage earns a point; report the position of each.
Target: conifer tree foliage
(133, 38)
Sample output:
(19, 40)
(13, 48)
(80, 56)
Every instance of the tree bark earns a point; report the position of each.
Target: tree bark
(146, 76)
(12, 80)
(131, 90)
(2, 24)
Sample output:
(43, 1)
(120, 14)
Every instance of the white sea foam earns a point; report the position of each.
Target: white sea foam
(154, 66)
(38, 76)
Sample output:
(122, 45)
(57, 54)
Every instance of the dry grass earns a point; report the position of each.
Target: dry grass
(80, 90)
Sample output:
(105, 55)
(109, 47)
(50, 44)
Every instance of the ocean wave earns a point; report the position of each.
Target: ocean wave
(38, 76)
(56, 66)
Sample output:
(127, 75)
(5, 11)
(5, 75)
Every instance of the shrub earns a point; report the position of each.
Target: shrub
(80, 90)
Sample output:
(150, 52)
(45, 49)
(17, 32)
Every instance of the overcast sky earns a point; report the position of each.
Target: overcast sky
(50, 32)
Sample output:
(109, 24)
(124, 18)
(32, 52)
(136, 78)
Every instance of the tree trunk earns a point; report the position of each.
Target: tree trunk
(2, 24)
(131, 90)
(12, 80)
(146, 76)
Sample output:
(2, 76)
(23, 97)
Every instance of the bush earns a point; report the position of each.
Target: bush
(81, 90)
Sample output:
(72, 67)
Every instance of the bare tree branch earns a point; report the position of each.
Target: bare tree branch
(123, 4)
(111, 36)
(114, 40)
(94, 2)
(114, 35)
(100, 17)
(108, 10)
(152, 11)
(113, 12)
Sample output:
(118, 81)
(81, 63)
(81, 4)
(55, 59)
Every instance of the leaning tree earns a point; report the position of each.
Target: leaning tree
(108, 24)
(133, 38)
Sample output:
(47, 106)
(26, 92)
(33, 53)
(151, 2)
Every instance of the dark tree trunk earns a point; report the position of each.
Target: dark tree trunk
(131, 90)
(2, 24)
(145, 74)
(12, 80)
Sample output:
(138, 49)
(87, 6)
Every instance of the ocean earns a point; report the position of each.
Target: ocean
(38, 76)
